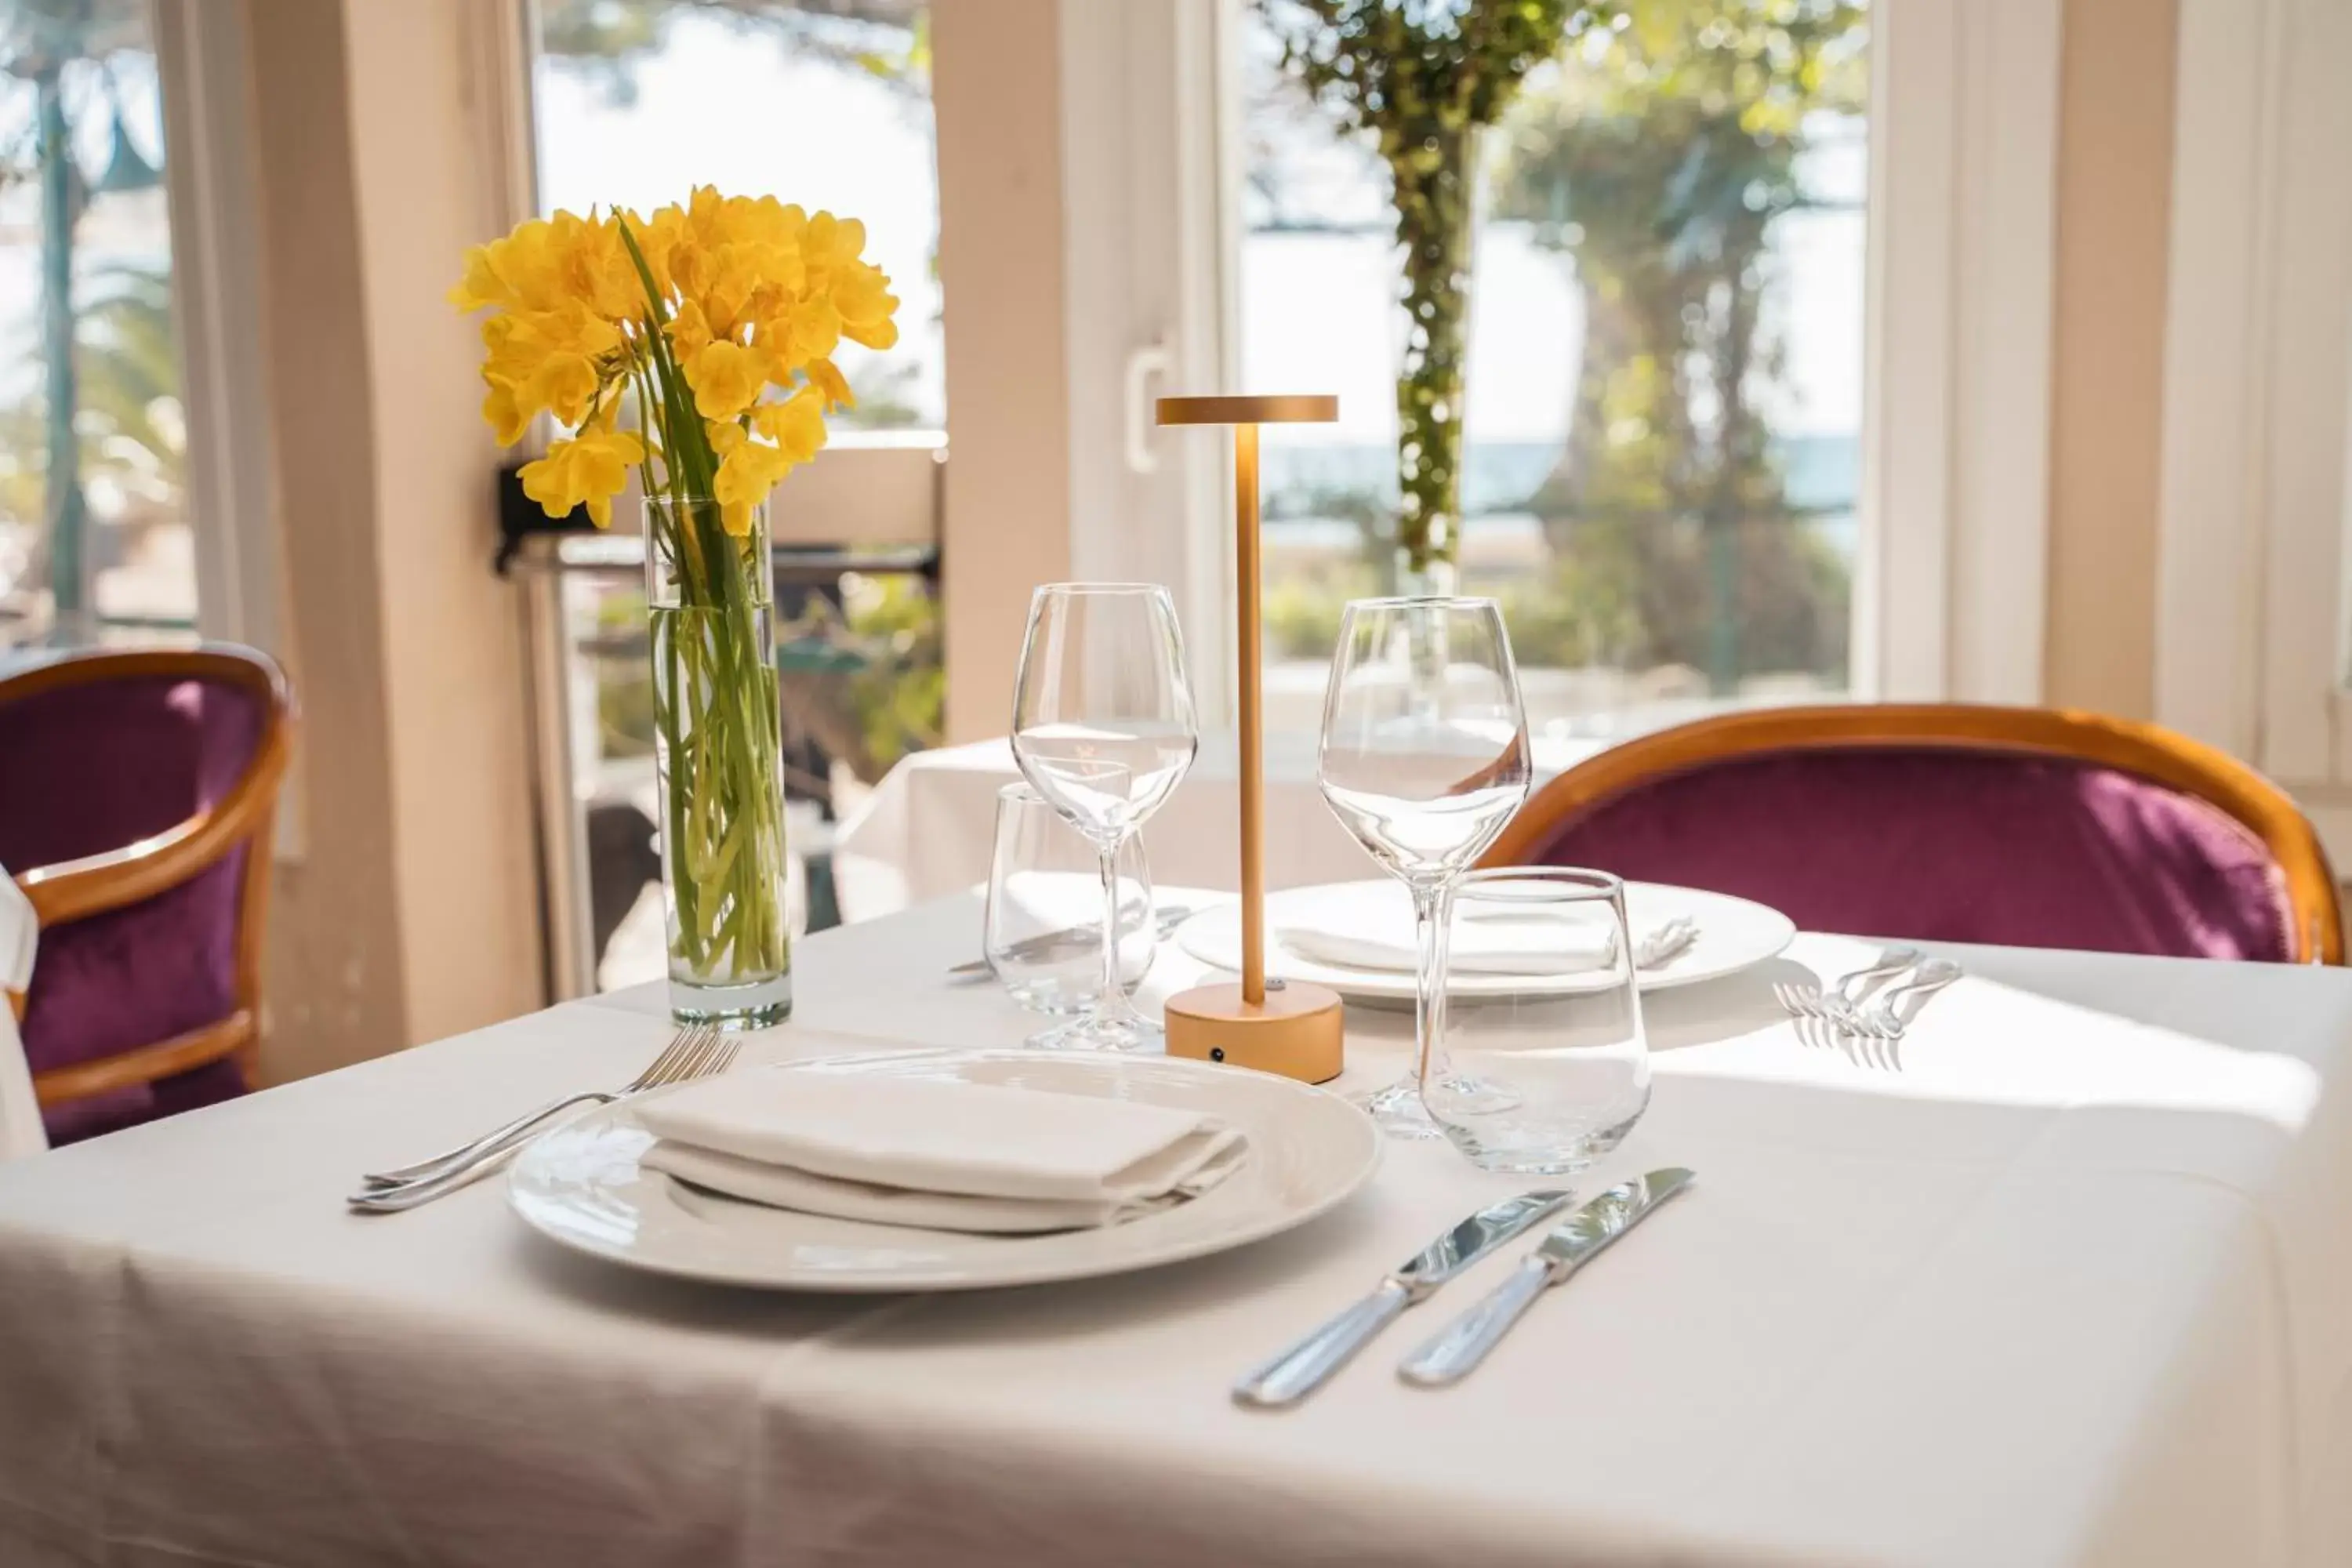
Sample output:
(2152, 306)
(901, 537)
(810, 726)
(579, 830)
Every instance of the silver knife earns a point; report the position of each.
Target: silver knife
(1463, 1343)
(1302, 1369)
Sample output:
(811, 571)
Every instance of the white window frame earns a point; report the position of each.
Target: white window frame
(1951, 594)
(216, 310)
(202, 76)
(2251, 614)
(1150, 128)
(1950, 589)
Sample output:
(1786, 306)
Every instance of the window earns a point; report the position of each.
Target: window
(1663, 421)
(825, 103)
(822, 102)
(94, 534)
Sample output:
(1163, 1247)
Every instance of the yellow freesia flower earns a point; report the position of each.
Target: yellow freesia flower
(564, 385)
(507, 417)
(519, 271)
(746, 472)
(689, 331)
(797, 425)
(811, 332)
(749, 292)
(588, 470)
(595, 270)
(862, 295)
(725, 378)
(826, 378)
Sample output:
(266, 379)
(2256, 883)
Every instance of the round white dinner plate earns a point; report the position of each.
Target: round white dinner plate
(1309, 1150)
(1733, 934)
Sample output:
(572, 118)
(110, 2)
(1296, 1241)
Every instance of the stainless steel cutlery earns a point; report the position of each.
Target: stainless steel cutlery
(1872, 1006)
(695, 1052)
(1848, 991)
(1458, 1348)
(1887, 1017)
(1300, 1370)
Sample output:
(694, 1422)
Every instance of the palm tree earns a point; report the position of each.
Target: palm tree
(40, 42)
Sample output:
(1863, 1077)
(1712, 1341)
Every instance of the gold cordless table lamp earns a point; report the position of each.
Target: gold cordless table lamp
(1289, 1028)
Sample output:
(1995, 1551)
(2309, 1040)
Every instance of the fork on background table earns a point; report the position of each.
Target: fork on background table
(697, 1051)
(1847, 991)
(1883, 1023)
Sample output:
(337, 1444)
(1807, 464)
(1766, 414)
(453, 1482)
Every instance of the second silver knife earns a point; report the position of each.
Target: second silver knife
(1302, 1369)
(1576, 1241)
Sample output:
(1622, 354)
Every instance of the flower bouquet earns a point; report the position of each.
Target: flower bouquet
(716, 324)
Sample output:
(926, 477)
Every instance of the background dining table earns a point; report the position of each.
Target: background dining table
(2068, 1280)
(928, 828)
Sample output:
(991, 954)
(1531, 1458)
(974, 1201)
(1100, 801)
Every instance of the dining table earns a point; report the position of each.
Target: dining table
(927, 827)
(2065, 1278)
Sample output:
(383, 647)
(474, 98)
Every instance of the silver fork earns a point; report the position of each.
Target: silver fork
(1846, 993)
(1884, 1019)
(695, 1052)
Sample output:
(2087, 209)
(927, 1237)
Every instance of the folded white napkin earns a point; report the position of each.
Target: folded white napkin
(1381, 936)
(936, 1155)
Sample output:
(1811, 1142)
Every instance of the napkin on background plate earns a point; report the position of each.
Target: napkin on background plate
(1379, 936)
(938, 1154)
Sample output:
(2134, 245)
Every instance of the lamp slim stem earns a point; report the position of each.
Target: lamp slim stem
(1248, 682)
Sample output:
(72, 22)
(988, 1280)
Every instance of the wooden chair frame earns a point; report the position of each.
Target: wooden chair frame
(2144, 750)
(75, 889)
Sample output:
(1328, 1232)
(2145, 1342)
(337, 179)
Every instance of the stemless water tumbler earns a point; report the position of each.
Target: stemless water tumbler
(1550, 1067)
(1044, 921)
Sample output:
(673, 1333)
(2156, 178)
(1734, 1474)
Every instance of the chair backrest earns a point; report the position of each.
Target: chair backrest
(2026, 827)
(110, 747)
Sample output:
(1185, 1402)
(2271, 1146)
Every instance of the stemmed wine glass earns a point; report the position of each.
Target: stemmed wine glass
(1424, 758)
(1103, 728)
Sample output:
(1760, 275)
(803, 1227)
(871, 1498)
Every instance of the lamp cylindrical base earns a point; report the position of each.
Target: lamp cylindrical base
(1298, 1031)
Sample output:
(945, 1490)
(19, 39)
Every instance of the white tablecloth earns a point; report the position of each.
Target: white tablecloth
(926, 830)
(2072, 1287)
(20, 1114)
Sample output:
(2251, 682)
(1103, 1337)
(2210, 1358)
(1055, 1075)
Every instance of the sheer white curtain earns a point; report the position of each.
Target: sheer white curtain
(20, 1116)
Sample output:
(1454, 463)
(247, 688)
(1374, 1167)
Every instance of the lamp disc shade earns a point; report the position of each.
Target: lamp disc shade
(1271, 408)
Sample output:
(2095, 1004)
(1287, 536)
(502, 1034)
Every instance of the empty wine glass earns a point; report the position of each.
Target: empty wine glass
(1424, 758)
(1103, 728)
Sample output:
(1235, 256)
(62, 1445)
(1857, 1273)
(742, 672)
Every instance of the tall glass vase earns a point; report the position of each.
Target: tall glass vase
(720, 758)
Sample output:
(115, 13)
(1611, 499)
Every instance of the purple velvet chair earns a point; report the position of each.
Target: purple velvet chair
(136, 790)
(2025, 826)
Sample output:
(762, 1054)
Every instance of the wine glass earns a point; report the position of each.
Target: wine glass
(1424, 758)
(1103, 728)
